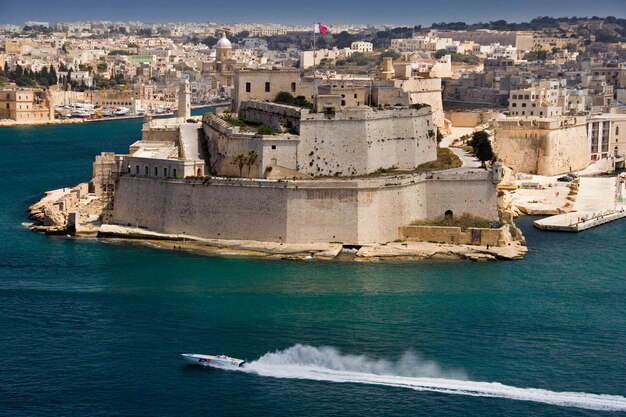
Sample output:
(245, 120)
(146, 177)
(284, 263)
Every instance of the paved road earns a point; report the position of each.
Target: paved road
(470, 163)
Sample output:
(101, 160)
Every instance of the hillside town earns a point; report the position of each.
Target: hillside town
(328, 126)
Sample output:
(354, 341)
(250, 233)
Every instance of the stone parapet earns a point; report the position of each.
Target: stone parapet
(453, 235)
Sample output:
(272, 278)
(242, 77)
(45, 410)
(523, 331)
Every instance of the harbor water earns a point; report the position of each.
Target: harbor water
(91, 327)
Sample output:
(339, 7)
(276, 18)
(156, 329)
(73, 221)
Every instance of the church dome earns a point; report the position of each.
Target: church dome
(223, 42)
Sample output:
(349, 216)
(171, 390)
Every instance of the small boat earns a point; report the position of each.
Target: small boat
(219, 361)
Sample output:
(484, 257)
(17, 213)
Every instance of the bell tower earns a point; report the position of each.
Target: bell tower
(184, 100)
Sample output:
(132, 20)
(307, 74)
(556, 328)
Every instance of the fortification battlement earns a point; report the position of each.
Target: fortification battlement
(363, 183)
(234, 132)
(551, 123)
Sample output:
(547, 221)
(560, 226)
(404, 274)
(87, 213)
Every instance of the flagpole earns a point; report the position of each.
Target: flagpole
(314, 45)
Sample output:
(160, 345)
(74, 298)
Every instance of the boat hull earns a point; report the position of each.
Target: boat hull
(219, 361)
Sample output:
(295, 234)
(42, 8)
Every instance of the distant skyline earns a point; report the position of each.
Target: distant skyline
(399, 12)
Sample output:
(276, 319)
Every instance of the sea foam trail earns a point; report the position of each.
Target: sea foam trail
(410, 371)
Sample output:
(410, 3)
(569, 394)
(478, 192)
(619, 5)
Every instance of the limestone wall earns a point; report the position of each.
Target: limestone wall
(469, 192)
(307, 211)
(276, 115)
(438, 234)
(360, 141)
(225, 142)
(427, 91)
(544, 151)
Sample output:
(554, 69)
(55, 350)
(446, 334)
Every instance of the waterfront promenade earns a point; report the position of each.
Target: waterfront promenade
(598, 202)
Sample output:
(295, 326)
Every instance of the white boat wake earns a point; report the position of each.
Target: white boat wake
(329, 364)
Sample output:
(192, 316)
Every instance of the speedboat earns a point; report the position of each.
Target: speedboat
(219, 361)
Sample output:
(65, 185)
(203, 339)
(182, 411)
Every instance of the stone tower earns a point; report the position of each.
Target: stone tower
(387, 73)
(184, 100)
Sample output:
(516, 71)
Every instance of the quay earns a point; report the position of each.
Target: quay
(600, 201)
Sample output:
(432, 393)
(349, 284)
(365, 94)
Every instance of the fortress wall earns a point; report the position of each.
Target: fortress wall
(543, 151)
(565, 150)
(224, 144)
(272, 114)
(330, 146)
(427, 91)
(323, 215)
(364, 140)
(400, 141)
(383, 210)
(161, 135)
(352, 212)
(225, 212)
(519, 153)
(463, 193)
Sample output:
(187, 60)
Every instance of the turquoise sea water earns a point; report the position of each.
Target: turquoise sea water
(95, 328)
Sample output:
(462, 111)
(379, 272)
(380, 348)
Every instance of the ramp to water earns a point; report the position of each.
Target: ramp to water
(595, 205)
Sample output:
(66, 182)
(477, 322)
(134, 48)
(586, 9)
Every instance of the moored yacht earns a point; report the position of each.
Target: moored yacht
(121, 111)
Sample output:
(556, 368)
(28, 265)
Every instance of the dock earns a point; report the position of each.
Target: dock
(599, 201)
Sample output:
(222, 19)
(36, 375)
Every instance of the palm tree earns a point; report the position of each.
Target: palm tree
(240, 160)
(251, 159)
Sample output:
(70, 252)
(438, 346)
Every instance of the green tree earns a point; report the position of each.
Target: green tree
(484, 152)
(478, 137)
(481, 146)
(391, 54)
(52, 76)
(441, 53)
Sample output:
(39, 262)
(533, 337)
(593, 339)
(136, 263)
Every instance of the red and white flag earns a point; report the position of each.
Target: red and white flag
(321, 29)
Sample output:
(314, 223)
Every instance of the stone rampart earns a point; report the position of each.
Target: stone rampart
(277, 115)
(454, 235)
(359, 141)
(544, 147)
(303, 211)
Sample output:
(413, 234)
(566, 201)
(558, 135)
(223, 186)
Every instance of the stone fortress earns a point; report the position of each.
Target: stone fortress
(340, 170)
(312, 183)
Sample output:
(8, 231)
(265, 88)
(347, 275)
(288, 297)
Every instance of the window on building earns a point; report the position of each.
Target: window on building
(267, 87)
(156, 171)
(174, 172)
(343, 102)
(165, 172)
(146, 170)
(523, 113)
(355, 95)
(137, 169)
(514, 105)
(616, 130)
(293, 87)
(523, 104)
(7, 105)
(527, 97)
(248, 87)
